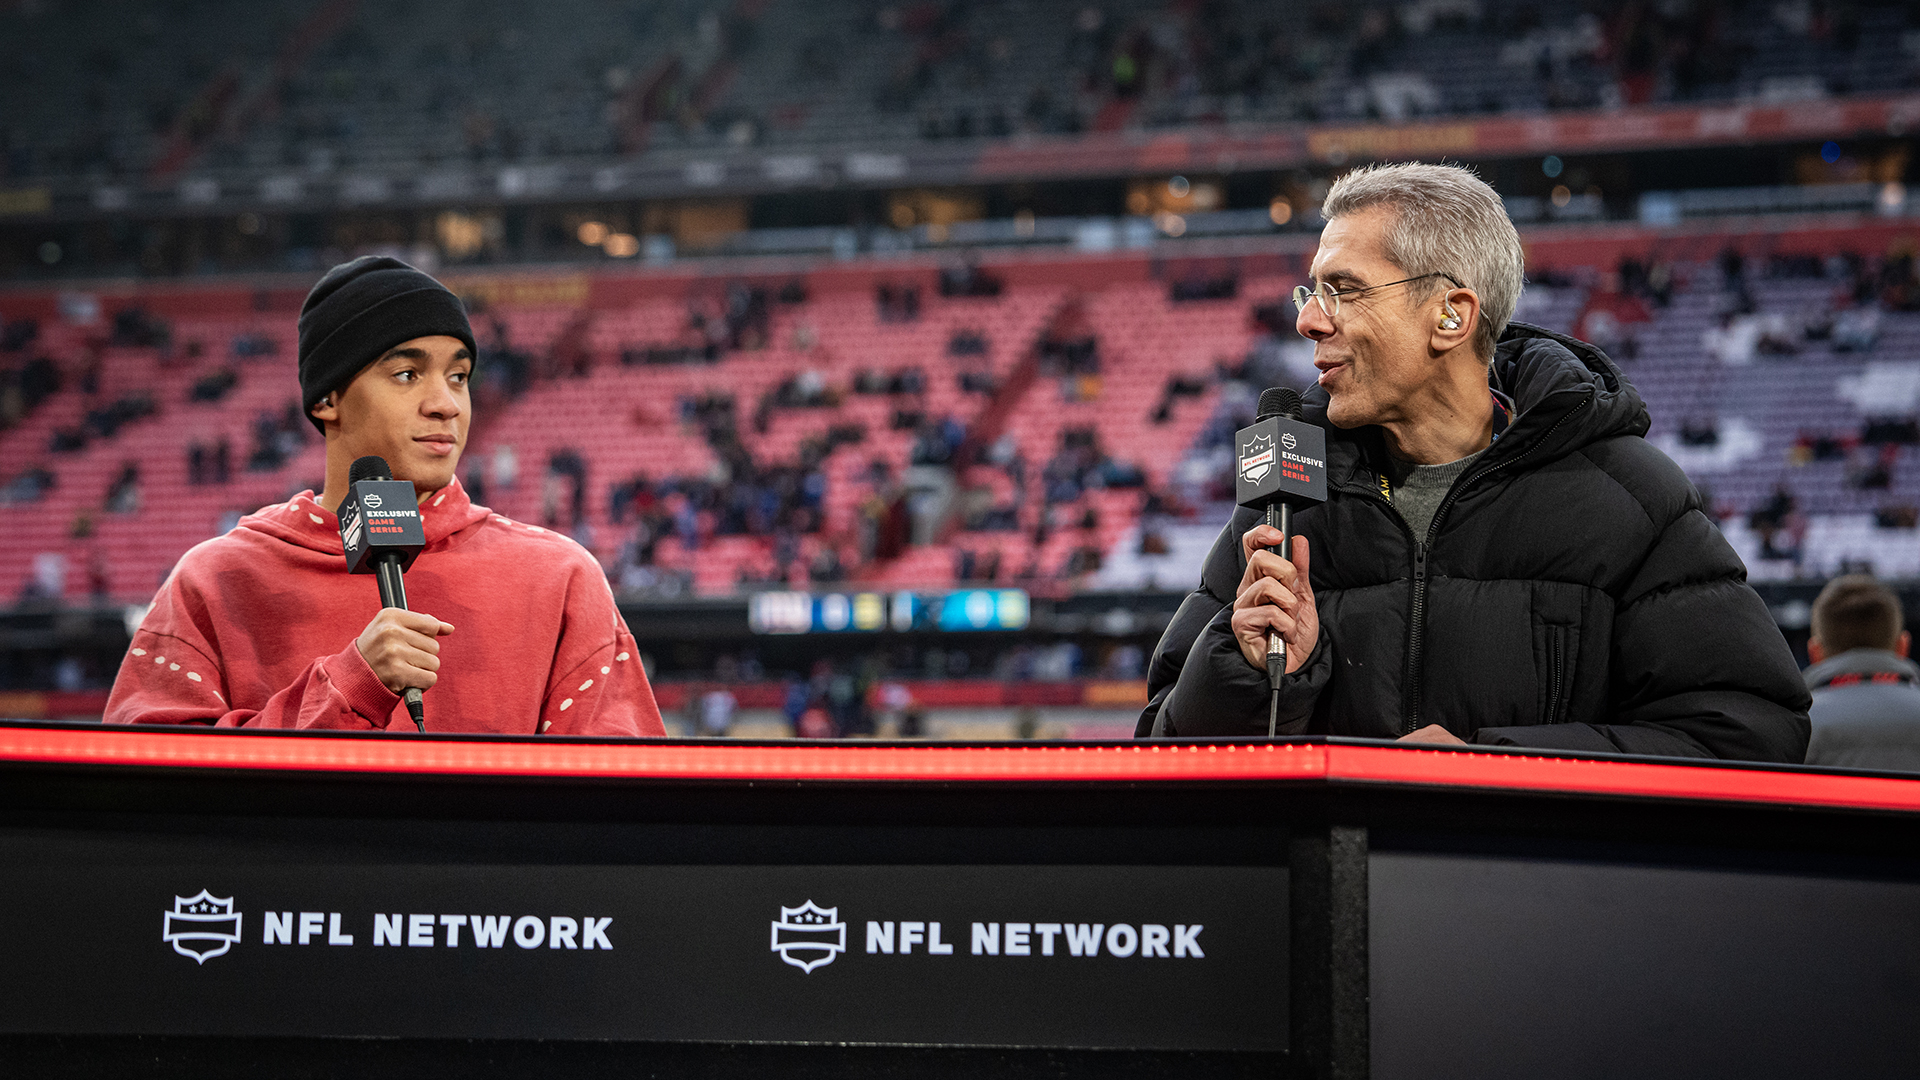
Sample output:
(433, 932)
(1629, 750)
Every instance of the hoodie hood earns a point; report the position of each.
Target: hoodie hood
(305, 523)
(1566, 393)
(1861, 666)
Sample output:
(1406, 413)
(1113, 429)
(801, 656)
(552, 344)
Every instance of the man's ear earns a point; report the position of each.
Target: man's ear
(1816, 652)
(327, 409)
(1905, 645)
(1457, 320)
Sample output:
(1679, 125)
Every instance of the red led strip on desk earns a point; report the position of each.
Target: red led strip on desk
(1034, 762)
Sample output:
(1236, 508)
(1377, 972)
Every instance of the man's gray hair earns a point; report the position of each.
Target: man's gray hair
(1446, 220)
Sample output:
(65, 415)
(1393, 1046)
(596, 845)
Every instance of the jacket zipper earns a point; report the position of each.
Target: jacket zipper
(1416, 637)
(1417, 631)
(1556, 670)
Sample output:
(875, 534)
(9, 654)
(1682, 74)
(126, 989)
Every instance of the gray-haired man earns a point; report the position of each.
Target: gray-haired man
(1502, 557)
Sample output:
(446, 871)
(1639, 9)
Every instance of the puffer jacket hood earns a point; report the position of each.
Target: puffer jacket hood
(1566, 394)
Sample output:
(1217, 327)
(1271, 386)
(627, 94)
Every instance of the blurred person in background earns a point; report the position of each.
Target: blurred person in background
(717, 707)
(1866, 692)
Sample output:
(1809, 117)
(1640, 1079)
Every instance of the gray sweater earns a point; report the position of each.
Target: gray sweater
(1418, 490)
(1866, 711)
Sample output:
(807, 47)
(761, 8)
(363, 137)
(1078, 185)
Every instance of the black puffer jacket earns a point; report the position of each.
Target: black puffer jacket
(1571, 594)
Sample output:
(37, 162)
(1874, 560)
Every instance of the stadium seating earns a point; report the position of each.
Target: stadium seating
(1802, 440)
(385, 89)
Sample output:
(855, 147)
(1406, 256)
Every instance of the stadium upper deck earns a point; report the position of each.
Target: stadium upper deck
(117, 111)
(130, 89)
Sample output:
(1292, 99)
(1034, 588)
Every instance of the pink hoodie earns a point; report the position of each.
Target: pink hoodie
(257, 629)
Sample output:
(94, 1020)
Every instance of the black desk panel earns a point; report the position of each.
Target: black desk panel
(198, 905)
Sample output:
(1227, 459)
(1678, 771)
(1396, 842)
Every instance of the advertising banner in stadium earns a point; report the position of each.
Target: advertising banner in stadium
(1088, 956)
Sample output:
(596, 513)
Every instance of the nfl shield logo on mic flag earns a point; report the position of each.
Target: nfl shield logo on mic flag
(809, 936)
(1256, 458)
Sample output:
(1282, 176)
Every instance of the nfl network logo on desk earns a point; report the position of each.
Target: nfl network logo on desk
(811, 937)
(202, 926)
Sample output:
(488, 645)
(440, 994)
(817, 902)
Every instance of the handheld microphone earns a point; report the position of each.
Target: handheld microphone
(381, 530)
(1282, 462)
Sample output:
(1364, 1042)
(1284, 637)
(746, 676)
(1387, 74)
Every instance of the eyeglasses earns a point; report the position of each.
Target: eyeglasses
(1330, 300)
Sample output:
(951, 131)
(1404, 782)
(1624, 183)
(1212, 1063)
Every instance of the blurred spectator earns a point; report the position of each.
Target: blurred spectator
(967, 342)
(251, 344)
(1178, 386)
(1225, 287)
(1890, 430)
(1866, 692)
(1699, 431)
(633, 495)
(214, 386)
(505, 467)
(22, 389)
(968, 280)
(1856, 329)
(936, 443)
(815, 723)
(209, 464)
(1897, 516)
(1779, 524)
(1068, 356)
(717, 707)
(1733, 270)
(49, 578)
(29, 486)
(897, 303)
(846, 699)
(794, 704)
(1124, 662)
(133, 327)
(123, 496)
(277, 437)
(106, 422)
(18, 333)
(99, 580)
(826, 567)
(1080, 464)
(69, 674)
(565, 464)
(1878, 473)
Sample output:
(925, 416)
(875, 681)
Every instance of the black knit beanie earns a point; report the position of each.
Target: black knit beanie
(359, 311)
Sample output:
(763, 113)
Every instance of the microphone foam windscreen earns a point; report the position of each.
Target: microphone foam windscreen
(373, 467)
(1280, 401)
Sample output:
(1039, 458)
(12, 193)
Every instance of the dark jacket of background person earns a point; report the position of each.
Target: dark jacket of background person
(1575, 596)
(1866, 711)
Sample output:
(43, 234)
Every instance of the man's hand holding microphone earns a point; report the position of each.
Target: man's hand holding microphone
(1275, 596)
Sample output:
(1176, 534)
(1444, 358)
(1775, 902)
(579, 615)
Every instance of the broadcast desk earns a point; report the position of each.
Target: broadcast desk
(210, 904)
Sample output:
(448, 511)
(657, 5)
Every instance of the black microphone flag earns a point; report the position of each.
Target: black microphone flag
(379, 515)
(1280, 457)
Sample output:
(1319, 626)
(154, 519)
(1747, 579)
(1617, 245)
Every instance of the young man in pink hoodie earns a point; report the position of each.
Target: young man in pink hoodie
(512, 629)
